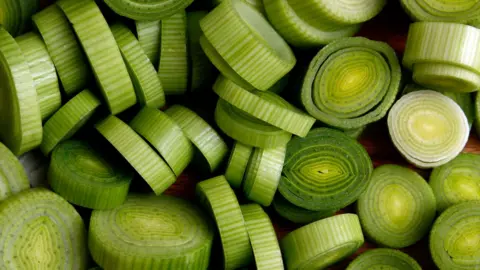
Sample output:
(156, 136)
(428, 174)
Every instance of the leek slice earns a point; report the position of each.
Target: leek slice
(351, 82)
(20, 117)
(148, 10)
(325, 171)
(43, 72)
(428, 128)
(68, 120)
(297, 214)
(237, 164)
(443, 68)
(148, 33)
(11, 16)
(384, 258)
(138, 153)
(217, 197)
(155, 232)
(454, 239)
(398, 207)
(257, 4)
(13, 177)
(322, 243)
(247, 43)
(102, 52)
(40, 220)
(82, 176)
(467, 12)
(457, 181)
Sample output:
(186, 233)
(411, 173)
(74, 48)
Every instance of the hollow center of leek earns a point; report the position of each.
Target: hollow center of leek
(429, 126)
(397, 205)
(461, 184)
(463, 241)
(447, 6)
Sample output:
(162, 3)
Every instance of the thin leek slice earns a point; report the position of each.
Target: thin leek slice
(428, 128)
(68, 120)
(384, 258)
(165, 136)
(237, 164)
(82, 176)
(262, 237)
(325, 171)
(467, 12)
(40, 219)
(202, 135)
(266, 106)
(13, 177)
(155, 232)
(43, 73)
(297, 214)
(247, 43)
(454, 239)
(457, 181)
(398, 207)
(138, 153)
(247, 129)
(443, 68)
(20, 117)
(147, 85)
(322, 243)
(148, 10)
(148, 34)
(62, 45)
(102, 52)
(351, 82)
(217, 197)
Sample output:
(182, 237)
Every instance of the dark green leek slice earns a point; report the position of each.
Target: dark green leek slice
(148, 34)
(384, 258)
(148, 10)
(467, 11)
(297, 214)
(237, 164)
(15, 15)
(13, 177)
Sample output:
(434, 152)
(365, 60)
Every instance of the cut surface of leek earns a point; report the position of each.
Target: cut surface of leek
(297, 214)
(237, 164)
(467, 12)
(147, 10)
(384, 258)
(148, 34)
(13, 178)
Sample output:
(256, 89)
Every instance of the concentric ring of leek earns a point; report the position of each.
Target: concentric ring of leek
(456, 181)
(454, 238)
(384, 258)
(297, 214)
(464, 11)
(351, 82)
(154, 232)
(428, 128)
(237, 164)
(397, 208)
(325, 171)
(82, 176)
(322, 243)
(13, 177)
(147, 10)
(218, 198)
(435, 65)
(40, 230)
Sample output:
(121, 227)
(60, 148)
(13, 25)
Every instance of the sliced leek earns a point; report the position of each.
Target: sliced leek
(13, 177)
(237, 164)
(148, 10)
(15, 15)
(384, 258)
(467, 11)
(297, 214)
(148, 34)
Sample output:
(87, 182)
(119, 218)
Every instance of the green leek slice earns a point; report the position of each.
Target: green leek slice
(148, 10)
(102, 52)
(351, 82)
(10, 16)
(165, 136)
(148, 34)
(428, 128)
(454, 238)
(43, 73)
(322, 243)
(147, 85)
(154, 232)
(20, 116)
(467, 11)
(457, 181)
(325, 171)
(218, 198)
(398, 207)
(202, 135)
(237, 164)
(138, 153)
(41, 221)
(62, 45)
(384, 258)
(68, 120)
(429, 54)
(247, 43)
(297, 214)
(82, 176)
(280, 86)
(13, 177)
(266, 249)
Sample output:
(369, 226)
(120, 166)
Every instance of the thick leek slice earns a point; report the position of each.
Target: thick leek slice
(322, 243)
(457, 181)
(154, 232)
(398, 207)
(102, 52)
(68, 120)
(147, 85)
(237, 164)
(217, 197)
(351, 82)
(202, 135)
(325, 171)
(41, 221)
(467, 11)
(247, 43)
(297, 214)
(13, 177)
(20, 119)
(43, 73)
(138, 153)
(454, 239)
(148, 34)
(428, 128)
(165, 136)
(262, 237)
(148, 10)
(429, 54)
(384, 258)
(67, 55)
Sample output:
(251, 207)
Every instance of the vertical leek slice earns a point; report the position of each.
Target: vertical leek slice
(13, 177)
(465, 11)
(148, 10)
(384, 258)
(148, 34)
(297, 214)
(237, 164)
